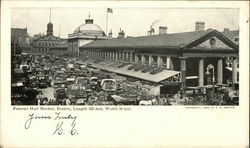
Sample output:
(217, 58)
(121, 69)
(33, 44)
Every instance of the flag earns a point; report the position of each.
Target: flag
(109, 10)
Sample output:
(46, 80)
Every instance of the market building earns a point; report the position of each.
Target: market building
(166, 59)
(84, 34)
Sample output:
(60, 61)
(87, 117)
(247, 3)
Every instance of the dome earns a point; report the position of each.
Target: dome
(89, 29)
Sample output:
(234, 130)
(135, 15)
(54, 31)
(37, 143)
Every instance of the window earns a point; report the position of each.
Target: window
(212, 42)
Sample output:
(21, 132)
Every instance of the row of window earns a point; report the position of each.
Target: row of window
(73, 47)
(43, 49)
(47, 44)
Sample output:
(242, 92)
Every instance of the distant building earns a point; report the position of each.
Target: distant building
(85, 34)
(47, 44)
(20, 40)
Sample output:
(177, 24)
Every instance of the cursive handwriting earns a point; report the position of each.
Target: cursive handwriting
(31, 117)
(59, 130)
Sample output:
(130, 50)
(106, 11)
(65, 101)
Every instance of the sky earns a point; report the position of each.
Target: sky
(134, 21)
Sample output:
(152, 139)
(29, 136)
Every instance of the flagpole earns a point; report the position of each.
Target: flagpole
(107, 23)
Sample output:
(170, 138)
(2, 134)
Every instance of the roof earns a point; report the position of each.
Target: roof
(19, 32)
(232, 35)
(138, 74)
(88, 28)
(48, 38)
(170, 40)
(174, 40)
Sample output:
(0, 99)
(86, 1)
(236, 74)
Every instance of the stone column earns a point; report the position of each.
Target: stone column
(220, 71)
(96, 54)
(127, 56)
(183, 76)
(201, 72)
(113, 55)
(234, 71)
(131, 57)
(143, 59)
(150, 60)
(159, 61)
(104, 54)
(168, 63)
(123, 56)
(116, 56)
(120, 55)
(136, 59)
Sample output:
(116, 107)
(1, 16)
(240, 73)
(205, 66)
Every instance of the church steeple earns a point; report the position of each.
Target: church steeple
(50, 25)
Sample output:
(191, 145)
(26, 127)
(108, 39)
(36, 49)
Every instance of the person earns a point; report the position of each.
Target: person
(177, 96)
(67, 101)
(39, 98)
(45, 101)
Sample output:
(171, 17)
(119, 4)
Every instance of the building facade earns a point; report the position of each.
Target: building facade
(20, 41)
(85, 34)
(48, 43)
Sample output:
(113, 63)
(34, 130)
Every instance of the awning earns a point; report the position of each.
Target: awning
(70, 79)
(17, 84)
(17, 70)
(192, 77)
(208, 86)
(193, 88)
(231, 69)
(138, 74)
(117, 98)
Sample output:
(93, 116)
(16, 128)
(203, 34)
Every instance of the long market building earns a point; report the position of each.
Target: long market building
(168, 59)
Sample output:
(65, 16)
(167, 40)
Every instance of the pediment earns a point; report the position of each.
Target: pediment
(213, 40)
(213, 43)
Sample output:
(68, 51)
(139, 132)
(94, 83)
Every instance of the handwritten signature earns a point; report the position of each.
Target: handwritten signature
(60, 128)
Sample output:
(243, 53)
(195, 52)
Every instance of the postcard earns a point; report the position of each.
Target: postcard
(124, 74)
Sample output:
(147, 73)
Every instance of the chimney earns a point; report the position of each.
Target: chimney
(121, 34)
(163, 30)
(226, 30)
(199, 26)
(110, 33)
